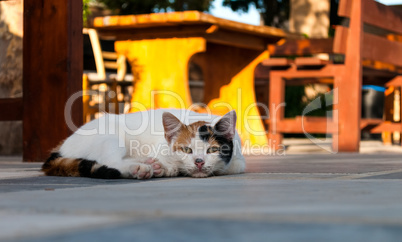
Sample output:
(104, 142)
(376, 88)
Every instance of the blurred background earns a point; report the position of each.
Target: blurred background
(311, 18)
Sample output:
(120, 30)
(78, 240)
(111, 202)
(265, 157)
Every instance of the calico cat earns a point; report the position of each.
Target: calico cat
(154, 143)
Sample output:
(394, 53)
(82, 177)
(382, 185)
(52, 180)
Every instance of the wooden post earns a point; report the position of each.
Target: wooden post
(52, 73)
(351, 85)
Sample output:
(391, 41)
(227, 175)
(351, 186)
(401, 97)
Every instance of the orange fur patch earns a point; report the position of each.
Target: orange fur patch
(62, 167)
(213, 142)
(187, 132)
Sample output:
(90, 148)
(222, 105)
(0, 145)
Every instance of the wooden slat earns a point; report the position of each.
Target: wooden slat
(52, 73)
(378, 68)
(374, 47)
(11, 109)
(310, 61)
(319, 125)
(97, 52)
(341, 33)
(306, 81)
(381, 49)
(110, 64)
(302, 47)
(109, 55)
(308, 124)
(277, 62)
(368, 122)
(387, 127)
(396, 82)
(375, 14)
(327, 71)
(379, 126)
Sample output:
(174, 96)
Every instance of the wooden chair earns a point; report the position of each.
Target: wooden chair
(368, 58)
(110, 86)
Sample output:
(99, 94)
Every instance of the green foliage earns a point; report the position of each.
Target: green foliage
(85, 10)
(274, 12)
(295, 106)
(293, 100)
(151, 6)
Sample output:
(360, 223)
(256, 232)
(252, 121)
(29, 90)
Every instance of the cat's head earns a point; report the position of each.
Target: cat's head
(203, 149)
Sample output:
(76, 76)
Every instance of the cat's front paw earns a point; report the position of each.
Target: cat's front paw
(141, 171)
(157, 167)
(161, 170)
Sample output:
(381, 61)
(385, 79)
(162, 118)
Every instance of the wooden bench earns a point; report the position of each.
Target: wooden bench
(368, 58)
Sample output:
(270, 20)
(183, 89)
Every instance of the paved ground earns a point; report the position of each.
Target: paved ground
(296, 197)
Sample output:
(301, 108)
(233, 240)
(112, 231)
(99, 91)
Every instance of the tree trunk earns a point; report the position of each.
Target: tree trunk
(11, 32)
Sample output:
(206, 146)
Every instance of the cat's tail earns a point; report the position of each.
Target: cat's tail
(56, 165)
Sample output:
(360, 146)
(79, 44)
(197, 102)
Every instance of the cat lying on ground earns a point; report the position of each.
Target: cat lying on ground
(154, 143)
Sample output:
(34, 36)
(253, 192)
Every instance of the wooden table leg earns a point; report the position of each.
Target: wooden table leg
(160, 68)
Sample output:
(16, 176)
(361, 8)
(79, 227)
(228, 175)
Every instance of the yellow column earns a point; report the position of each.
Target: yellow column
(160, 68)
(239, 94)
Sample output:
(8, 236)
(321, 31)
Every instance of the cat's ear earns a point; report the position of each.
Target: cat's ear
(226, 126)
(172, 126)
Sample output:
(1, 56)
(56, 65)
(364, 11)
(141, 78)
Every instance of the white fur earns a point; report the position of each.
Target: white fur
(127, 141)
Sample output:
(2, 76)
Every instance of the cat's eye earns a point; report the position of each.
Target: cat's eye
(212, 149)
(187, 150)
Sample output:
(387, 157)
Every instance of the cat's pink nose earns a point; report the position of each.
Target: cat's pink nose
(199, 163)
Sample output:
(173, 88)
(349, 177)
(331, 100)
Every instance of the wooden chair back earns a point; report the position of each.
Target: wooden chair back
(375, 30)
(106, 59)
(379, 28)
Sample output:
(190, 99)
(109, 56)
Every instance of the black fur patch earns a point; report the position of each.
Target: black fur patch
(85, 167)
(205, 133)
(53, 156)
(102, 172)
(105, 172)
(225, 145)
(226, 148)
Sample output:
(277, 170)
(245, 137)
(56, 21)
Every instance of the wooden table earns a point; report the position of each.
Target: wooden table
(160, 46)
